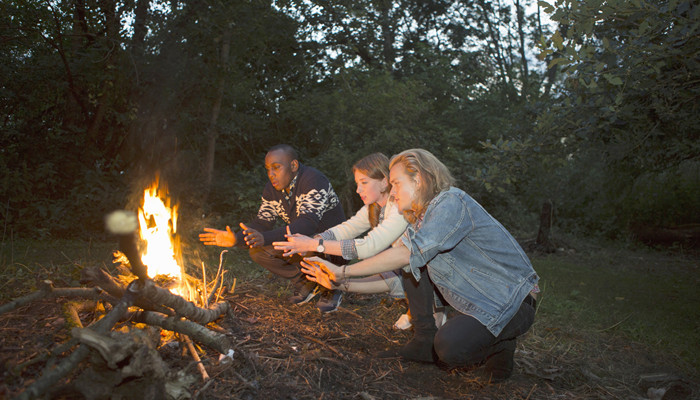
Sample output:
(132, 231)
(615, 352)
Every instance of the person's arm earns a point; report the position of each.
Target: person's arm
(378, 239)
(321, 271)
(353, 227)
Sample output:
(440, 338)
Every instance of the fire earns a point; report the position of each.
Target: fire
(158, 228)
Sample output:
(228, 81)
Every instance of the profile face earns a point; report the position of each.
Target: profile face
(280, 169)
(369, 189)
(403, 187)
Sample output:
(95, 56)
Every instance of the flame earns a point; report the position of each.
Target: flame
(158, 229)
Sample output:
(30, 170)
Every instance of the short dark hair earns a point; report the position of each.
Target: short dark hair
(287, 149)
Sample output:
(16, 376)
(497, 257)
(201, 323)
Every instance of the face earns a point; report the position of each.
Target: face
(280, 169)
(403, 187)
(370, 190)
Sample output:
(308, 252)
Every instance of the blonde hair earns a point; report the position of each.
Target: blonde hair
(434, 178)
(375, 166)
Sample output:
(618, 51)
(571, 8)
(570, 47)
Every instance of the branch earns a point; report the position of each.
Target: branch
(209, 338)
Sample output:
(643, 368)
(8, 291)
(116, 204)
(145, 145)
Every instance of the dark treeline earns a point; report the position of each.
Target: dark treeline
(596, 110)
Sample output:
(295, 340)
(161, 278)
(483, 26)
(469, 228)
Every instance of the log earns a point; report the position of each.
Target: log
(47, 291)
(50, 378)
(199, 333)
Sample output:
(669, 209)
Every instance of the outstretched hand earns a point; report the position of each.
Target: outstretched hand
(215, 237)
(295, 244)
(323, 272)
(252, 237)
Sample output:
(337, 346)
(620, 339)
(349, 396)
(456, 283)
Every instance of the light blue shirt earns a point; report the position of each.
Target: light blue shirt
(478, 266)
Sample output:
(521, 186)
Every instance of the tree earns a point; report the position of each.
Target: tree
(629, 106)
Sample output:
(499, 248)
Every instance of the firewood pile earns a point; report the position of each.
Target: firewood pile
(121, 344)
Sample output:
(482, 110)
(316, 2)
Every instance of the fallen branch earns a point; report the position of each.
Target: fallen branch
(50, 378)
(201, 334)
(47, 291)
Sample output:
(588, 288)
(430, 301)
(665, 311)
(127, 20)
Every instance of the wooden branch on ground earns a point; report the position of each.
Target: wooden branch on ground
(47, 291)
(50, 378)
(199, 333)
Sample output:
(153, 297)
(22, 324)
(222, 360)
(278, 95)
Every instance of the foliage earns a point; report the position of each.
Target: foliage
(99, 97)
(627, 113)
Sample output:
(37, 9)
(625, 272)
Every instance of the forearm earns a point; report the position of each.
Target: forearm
(369, 285)
(388, 260)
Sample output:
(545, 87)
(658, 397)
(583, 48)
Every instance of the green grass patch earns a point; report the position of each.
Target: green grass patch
(649, 302)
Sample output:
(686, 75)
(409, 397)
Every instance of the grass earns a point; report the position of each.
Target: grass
(641, 296)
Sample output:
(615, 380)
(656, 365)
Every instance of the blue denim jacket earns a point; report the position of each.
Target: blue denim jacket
(476, 264)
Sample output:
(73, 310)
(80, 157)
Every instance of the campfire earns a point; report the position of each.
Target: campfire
(152, 290)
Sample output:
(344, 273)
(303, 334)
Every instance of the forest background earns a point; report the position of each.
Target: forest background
(590, 104)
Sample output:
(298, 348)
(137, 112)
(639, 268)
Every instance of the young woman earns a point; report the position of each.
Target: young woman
(458, 247)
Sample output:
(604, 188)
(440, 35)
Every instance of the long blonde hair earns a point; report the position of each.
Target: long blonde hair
(434, 178)
(375, 166)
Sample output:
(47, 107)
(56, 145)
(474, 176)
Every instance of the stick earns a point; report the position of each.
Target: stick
(50, 378)
(195, 355)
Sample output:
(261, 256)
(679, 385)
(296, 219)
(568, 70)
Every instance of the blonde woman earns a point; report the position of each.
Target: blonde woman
(460, 249)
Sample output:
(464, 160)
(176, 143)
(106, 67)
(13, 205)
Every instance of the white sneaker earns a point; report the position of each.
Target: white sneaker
(440, 318)
(403, 323)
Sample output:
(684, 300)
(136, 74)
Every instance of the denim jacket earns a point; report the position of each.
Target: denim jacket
(477, 266)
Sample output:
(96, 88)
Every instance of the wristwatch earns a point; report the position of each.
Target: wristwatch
(320, 248)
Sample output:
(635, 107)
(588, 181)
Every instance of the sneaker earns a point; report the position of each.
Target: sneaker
(304, 293)
(329, 300)
(403, 323)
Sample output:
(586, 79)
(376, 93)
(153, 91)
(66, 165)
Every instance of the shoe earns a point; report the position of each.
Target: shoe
(440, 318)
(329, 300)
(304, 293)
(499, 365)
(403, 323)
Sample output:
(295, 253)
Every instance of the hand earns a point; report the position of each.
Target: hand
(215, 237)
(252, 237)
(295, 244)
(321, 271)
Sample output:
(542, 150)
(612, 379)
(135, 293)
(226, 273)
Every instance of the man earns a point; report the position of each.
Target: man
(304, 199)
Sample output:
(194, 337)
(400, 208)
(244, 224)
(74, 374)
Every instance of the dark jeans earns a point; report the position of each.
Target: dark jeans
(421, 297)
(286, 267)
(464, 341)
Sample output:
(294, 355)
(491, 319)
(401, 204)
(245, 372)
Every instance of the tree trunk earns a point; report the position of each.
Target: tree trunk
(523, 59)
(213, 132)
(546, 217)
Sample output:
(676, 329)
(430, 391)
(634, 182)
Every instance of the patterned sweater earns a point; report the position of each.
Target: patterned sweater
(312, 206)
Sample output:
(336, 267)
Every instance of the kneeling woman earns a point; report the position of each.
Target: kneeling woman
(475, 263)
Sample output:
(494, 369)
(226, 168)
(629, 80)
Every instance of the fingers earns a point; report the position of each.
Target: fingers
(289, 233)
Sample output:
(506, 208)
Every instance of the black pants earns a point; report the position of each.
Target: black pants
(463, 340)
(286, 267)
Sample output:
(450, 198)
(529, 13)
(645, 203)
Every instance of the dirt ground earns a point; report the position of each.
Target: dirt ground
(293, 352)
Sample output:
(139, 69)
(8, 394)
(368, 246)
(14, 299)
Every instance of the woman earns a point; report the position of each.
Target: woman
(455, 245)
(379, 215)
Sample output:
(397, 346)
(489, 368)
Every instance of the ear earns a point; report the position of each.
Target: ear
(385, 185)
(295, 165)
